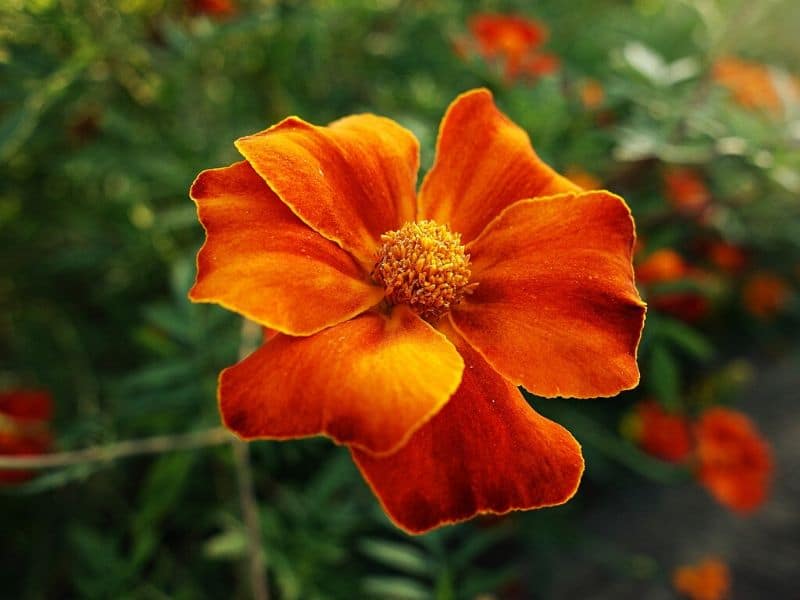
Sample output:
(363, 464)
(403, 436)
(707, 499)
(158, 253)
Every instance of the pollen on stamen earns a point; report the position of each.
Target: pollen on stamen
(425, 266)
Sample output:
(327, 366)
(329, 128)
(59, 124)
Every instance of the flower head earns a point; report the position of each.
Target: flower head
(751, 84)
(733, 461)
(24, 428)
(664, 435)
(404, 321)
(686, 190)
(765, 294)
(217, 9)
(666, 266)
(709, 579)
(726, 256)
(514, 41)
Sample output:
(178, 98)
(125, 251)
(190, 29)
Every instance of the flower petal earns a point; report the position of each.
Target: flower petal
(555, 308)
(260, 260)
(351, 181)
(369, 382)
(487, 451)
(484, 163)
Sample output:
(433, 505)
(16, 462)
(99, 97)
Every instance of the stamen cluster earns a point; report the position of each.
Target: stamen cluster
(425, 266)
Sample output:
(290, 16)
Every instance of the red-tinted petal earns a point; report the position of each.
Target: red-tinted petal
(351, 181)
(484, 163)
(555, 308)
(486, 451)
(260, 260)
(369, 382)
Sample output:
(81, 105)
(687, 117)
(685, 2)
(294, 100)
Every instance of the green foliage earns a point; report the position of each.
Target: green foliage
(108, 110)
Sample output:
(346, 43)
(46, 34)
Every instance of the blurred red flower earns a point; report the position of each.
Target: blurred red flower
(709, 579)
(514, 41)
(733, 461)
(24, 428)
(765, 294)
(662, 434)
(728, 257)
(219, 9)
(686, 190)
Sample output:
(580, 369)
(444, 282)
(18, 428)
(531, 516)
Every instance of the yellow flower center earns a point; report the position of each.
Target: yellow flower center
(425, 266)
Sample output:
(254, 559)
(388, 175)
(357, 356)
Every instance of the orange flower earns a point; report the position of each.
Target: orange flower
(24, 428)
(514, 40)
(765, 294)
(686, 190)
(407, 320)
(751, 83)
(664, 266)
(726, 256)
(709, 579)
(664, 435)
(734, 461)
(592, 94)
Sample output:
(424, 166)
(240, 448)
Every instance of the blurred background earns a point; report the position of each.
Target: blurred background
(109, 108)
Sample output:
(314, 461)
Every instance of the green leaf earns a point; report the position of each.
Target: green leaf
(664, 376)
(395, 588)
(228, 545)
(403, 557)
(689, 340)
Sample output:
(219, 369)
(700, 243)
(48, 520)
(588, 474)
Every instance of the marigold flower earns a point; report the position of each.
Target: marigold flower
(666, 265)
(685, 189)
(726, 256)
(514, 41)
(591, 93)
(765, 294)
(24, 428)
(751, 83)
(734, 462)
(405, 321)
(709, 579)
(664, 435)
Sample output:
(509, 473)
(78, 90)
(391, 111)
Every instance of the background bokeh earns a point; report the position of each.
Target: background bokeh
(108, 110)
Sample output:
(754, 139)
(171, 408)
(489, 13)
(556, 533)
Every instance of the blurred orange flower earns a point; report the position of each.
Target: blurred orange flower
(685, 190)
(751, 83)
(514, 41)
(592, 93)
(24, 428)
(726, 256)
(664, 266)
(661, 265)
(709, 579)
(664, 435)
(407, 320)
(765, 294)
(733, 461)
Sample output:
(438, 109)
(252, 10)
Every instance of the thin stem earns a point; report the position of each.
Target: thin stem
(110, 452)
(247, 496)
